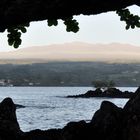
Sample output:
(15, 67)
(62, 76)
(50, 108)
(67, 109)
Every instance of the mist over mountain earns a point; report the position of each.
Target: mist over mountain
(71, 64)
(75, 51)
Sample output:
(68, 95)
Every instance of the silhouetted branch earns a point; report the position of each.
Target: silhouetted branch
(14, 12)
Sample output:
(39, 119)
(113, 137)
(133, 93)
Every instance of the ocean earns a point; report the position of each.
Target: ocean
(47, 107)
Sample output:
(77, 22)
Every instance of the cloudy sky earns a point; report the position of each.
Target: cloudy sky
(103, 28)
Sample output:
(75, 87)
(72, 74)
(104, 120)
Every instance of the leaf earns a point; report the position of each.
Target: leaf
(71, 25)
(23, 29)
(132, 26)
(138, 25)
(131, 20)
(127, 27)
(16, 44)
(52, 22)
(10, 42)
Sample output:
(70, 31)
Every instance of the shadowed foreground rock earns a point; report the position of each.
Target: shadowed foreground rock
(9, 127)
(108, 123)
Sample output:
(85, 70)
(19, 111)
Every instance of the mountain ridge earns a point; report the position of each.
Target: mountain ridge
(76, 51)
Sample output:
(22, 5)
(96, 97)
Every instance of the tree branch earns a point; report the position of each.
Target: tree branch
(14, 12)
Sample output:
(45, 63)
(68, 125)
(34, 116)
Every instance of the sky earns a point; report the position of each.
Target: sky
(102, 28)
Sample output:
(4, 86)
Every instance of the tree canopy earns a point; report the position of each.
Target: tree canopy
(16, 15)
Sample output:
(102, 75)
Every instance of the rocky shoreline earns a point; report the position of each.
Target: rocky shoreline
(19, 106)
(109, 123)
(109, 93)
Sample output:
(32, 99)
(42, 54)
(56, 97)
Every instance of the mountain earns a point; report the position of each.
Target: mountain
(75, 51)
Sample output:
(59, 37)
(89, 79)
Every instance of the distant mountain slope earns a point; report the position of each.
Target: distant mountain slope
(76, 51)
(69, 74)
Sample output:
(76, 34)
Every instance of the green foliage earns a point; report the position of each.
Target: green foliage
(103, 84)
(131, 20)
(71, 25)
(52, 22)
(14, 34)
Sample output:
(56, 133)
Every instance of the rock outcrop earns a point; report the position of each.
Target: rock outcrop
(19, 106)
(109, 123)
(9, 127)
(110, 93)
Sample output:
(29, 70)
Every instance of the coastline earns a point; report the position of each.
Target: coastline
(109, 93)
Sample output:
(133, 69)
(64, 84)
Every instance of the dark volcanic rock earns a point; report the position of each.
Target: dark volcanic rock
(110, 93)
(19, 106)
(90, 93)
(76, 131)
(132, 119)
(9, 127)
(108, 123)
(52, 134)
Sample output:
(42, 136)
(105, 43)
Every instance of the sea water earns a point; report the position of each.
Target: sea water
(47, 107)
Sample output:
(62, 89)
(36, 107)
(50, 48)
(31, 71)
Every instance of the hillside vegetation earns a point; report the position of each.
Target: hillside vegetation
(68, 74)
